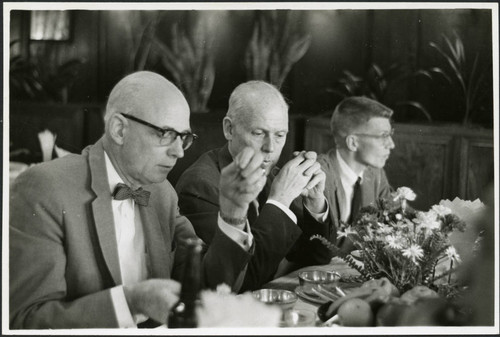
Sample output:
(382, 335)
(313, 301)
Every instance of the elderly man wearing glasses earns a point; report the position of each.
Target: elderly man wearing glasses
(95, 238)
(355, 177)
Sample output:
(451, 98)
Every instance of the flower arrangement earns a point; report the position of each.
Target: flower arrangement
(399, 243)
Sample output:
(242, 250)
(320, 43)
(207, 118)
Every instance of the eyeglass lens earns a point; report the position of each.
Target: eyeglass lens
(171, 135)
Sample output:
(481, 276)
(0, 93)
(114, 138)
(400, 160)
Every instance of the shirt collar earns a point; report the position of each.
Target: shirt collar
(346, 173)
(113, 176)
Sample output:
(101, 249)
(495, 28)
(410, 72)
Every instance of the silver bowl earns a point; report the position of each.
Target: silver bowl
(308, 279)
(284, 298)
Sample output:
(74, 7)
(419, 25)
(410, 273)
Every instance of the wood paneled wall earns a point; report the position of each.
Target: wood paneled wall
(340, 40)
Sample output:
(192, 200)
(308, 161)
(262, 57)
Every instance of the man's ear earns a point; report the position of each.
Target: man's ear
(227, 127)
(117, 129)
(351, 142)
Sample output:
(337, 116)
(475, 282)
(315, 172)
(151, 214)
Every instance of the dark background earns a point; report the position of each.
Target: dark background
(442, 158)
(352, 40)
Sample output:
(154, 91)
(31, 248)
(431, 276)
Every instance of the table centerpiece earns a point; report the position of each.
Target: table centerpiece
(406, 246)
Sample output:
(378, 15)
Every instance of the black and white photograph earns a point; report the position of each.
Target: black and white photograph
(250, 168)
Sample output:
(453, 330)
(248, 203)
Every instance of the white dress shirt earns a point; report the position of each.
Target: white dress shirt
(131, 247)
(348, 179)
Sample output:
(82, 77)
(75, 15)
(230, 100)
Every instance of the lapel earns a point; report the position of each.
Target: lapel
(102, 210)
(368, 188)
(224, 157)
(334, 187)
(104, 223)
(156, 247)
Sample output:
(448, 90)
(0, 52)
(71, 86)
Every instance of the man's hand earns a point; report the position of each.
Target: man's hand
(313, 193)
(152, 298)
(295, 177)
(240, 183)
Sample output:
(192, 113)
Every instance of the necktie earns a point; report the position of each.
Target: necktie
(140, 196)
(356, 201)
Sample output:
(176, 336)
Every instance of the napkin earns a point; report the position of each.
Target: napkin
(221, 308)
(47, 142)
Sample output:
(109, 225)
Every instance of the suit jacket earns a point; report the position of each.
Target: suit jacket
(63, 252)
(375, 185)
(274, 232)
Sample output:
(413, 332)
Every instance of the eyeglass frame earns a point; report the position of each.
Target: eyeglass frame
(163, 131)
(384, 137)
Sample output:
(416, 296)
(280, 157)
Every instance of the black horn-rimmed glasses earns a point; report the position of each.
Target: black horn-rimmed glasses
(167, 135)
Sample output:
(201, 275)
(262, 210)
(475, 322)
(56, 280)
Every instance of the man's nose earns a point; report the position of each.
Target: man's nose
(175, 149)
(390, 143)
(268, 145)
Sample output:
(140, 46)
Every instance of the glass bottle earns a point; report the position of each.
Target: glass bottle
(183, 313)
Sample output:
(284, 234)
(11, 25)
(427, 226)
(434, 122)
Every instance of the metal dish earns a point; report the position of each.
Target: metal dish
(284, 298)
(308, 279)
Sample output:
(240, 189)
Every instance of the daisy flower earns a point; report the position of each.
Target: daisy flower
(393, 242)
(346, 232)
(452, 254)
(384, 229)
(414, 253)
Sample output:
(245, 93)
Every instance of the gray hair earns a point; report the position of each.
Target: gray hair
(353, 112)
(252, 95)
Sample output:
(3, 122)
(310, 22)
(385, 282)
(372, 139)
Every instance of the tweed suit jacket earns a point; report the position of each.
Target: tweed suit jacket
(63, 256)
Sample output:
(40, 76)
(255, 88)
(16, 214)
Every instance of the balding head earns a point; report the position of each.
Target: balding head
(142, 94)
(254, 97)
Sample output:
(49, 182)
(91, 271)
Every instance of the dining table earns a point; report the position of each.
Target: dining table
(349, 279)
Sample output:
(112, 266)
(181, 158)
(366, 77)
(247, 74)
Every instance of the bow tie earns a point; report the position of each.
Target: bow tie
(140, 196)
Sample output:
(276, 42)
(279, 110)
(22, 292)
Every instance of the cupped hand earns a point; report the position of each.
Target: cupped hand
(153, 298)
(241, 182)
(294, 177)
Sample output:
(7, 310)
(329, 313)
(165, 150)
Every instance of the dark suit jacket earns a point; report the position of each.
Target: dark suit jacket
(375, 185)
(274, 232)
(63, 253)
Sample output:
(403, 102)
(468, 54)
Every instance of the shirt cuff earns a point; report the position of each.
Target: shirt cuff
(285, 209)
(320, 217)
(122, 311)
(243, 237)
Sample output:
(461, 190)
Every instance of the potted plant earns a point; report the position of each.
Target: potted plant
(274, 47)
(188, 58)
(465, 81)
(40, 79)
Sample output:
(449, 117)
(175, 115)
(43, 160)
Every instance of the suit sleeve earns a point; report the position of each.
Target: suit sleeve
(274, 232)
(307, 252)
(37, 261)
(224, 260)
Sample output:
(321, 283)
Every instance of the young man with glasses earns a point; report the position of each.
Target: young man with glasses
(362, 131)
(95, 239)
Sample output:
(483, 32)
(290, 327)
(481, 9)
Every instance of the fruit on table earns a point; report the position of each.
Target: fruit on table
(355, 312)
(390, 313)
(418, 292)
(425, 311)
(374, 292)
(384, 283)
